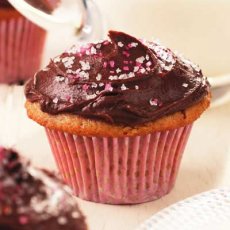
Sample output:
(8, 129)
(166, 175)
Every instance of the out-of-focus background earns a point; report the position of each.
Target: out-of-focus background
(197, 28)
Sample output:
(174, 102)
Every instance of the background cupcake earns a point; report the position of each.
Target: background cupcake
(118, 114)
(21, 45)
(34, 199)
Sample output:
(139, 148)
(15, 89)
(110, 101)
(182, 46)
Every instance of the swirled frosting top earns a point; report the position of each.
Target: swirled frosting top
(122, 80)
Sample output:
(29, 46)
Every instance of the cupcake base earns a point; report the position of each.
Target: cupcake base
(21, 47)
(120, 170)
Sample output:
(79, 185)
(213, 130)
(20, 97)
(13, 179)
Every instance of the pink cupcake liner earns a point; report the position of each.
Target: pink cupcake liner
(21, 48)
(124, 170)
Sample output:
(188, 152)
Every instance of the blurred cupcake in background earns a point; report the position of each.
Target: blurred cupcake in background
(21, 43)
(34, 199)
(118, 114)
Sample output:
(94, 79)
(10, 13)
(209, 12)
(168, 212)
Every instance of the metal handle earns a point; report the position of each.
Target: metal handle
(220, 81)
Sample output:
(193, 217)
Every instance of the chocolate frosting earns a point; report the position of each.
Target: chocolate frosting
(123, 80)
(34, 199)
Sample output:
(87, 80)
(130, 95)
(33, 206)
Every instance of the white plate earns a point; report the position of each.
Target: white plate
(209, 210)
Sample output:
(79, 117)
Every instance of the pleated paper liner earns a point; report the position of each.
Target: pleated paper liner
(126, 170)
(21, 49)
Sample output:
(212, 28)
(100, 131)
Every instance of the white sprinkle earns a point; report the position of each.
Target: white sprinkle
(148, 69)
(136, 68)
(118, 70)
(97, 92)
(185, 85)
(62, 220)
(84, 75)
(73, 50)
(98, 46)
(134, 44)
(87, 52)
(140, 59)
(113, 77)
(94, 85)
(73, 71)
(68, 61)
(55, 100)
(92, 96)
(153, 102)
(120, 44)
(101, 84)
(75, 215)
(56, 59)
(123, 87)
(59, 78)
(98, 77)
(131, 74)
(123, 76)
(147, 57)
(93, 50)
(142, 70)
(84, 65)
(136, 87)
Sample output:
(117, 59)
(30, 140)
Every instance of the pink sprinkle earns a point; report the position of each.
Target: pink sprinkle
(85, 87)
(112, 63)
(126, 53)
(105, 64)
(126, 68)
(23, 220)
(67, 98)
(126, 62)
(130, 62)
(83, 49)
(108, 86)
(71, 76)
(105, 42)
(111, 71)
(149, 63)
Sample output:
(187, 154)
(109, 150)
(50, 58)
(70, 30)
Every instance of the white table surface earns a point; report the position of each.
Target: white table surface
(205, 165)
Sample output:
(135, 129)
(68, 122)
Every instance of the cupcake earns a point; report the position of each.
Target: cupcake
(45, 5)
(34, 199)
(118, 114)
(21, 45)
